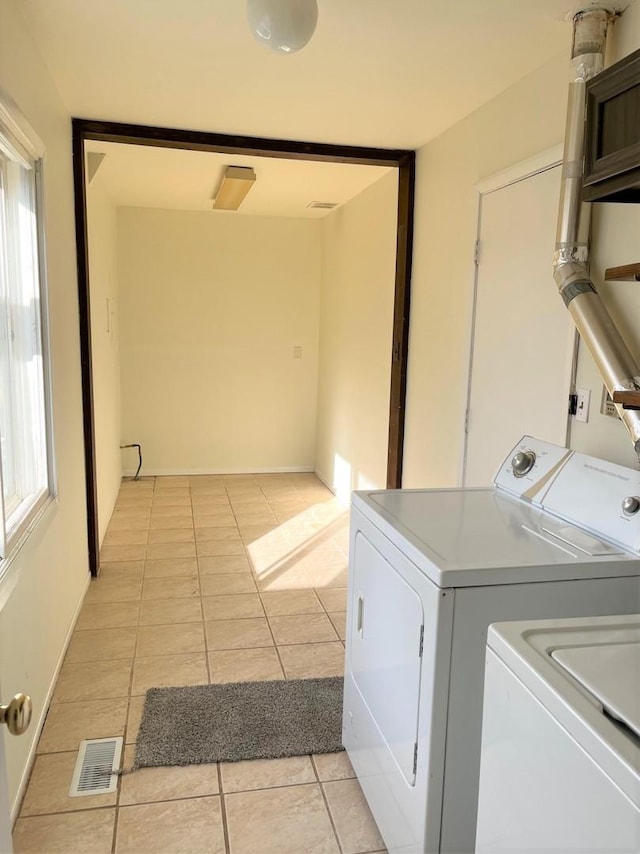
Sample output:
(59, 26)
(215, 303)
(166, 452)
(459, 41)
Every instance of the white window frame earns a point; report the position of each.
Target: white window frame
(28, 148)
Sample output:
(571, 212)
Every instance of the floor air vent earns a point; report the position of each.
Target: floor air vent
(325, 206)
(96, 771)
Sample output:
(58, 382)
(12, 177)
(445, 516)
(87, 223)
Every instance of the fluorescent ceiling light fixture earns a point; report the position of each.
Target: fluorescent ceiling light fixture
(236, 183)
(284, 26)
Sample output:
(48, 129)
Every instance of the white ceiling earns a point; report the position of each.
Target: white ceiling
(387, 73)
(143, 176)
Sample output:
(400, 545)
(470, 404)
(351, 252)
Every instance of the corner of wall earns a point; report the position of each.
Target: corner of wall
(356, 320)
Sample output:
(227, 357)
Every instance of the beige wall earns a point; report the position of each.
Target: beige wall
(356, 317)
(103, 271)
(49, 574)
(211, 308)
(522, 121)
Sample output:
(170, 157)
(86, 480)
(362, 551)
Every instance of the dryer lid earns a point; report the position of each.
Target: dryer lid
(610, 672)
(472, 537)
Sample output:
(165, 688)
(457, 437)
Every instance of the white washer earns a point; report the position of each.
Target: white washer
(560, 767)
(429, 571)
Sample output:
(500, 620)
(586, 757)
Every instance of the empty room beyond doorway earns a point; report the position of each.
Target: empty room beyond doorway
(267, 340)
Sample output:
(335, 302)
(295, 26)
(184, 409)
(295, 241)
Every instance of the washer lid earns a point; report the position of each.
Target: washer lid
(611, 674)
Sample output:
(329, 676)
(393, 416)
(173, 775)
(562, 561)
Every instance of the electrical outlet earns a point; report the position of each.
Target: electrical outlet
(582, 408)
(297, 352)
(607, 406)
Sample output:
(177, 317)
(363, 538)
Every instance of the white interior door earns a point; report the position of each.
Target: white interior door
(523, 338)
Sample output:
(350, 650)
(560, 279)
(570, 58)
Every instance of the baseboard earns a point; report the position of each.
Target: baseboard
(325, 481)
(346, 503)
(31, 758)
(113, 499)
(242, 470)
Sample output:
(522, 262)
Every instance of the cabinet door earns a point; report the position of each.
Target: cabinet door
(385, 650)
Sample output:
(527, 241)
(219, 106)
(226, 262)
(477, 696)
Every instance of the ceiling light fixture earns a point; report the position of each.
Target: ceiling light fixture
(236, 183)
(284, 26)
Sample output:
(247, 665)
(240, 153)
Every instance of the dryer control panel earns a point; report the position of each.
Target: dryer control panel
(530, 467)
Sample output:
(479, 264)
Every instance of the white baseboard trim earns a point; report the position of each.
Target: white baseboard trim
(345, 503)
(195, 471)
(113, 499)
(31, 758)
(324, 480)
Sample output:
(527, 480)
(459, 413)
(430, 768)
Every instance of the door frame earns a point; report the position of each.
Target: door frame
(541, 162)
(403, 160)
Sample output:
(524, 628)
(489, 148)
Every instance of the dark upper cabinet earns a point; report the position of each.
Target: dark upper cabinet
(612, 134)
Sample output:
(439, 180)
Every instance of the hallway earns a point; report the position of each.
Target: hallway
(204, 579)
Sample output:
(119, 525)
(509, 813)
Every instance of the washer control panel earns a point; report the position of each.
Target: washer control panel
(600, 496)
(529, 468)
(630, 505)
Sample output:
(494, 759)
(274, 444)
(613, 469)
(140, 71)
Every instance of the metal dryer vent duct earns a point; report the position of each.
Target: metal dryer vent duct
(619, 369)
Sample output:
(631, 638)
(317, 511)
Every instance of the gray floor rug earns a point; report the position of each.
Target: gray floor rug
(240, 720)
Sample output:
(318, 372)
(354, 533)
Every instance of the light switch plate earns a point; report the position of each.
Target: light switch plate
(582, 407)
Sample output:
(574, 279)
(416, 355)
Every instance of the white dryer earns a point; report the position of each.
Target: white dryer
(560, 766)
(429, 571)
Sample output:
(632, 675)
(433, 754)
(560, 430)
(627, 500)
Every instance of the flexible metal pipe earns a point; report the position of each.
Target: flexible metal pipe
(618, 368)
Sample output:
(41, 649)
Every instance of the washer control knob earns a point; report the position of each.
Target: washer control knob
(523, 462)
(630, 505)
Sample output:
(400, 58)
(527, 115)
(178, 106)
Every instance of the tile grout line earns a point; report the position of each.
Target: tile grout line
(284, 672)
(223, 811)
(67, 812)
(114, 838)
(279, 657)
(131, 677)
(202, 620)
(120, 778)
(135, 649)
(119, 807)
(330, 814)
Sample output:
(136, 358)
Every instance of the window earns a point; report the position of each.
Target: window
(25, 464)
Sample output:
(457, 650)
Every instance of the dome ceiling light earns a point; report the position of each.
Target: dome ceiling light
(284, 26)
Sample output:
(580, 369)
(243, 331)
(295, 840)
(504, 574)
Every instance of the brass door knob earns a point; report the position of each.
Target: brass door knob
(17, 714)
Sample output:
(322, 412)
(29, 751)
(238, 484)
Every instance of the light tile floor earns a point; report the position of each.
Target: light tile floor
(204, 579)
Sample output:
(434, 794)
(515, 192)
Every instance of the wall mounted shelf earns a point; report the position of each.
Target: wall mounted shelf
(625, 273)
(628, 399)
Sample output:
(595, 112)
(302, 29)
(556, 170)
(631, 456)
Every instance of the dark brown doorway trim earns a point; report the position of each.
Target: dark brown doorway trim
(89, 129)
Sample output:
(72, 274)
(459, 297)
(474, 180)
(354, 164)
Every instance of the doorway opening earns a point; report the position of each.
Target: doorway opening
(404, 161)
